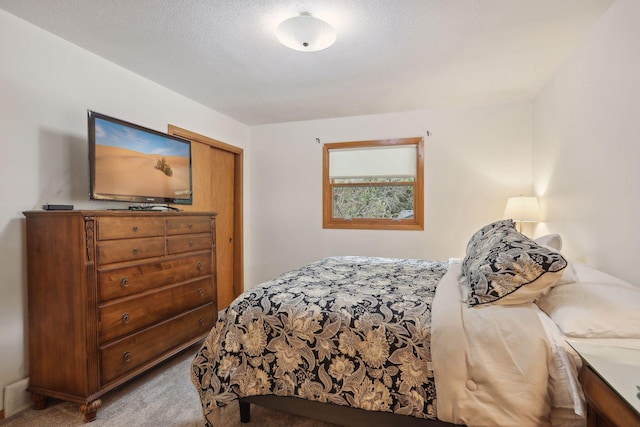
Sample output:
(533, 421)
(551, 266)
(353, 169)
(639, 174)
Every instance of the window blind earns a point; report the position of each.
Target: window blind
(396, 161)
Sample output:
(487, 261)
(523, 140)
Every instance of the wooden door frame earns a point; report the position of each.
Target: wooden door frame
(238, 193)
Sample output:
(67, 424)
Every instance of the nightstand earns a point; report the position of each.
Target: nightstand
(610, 377)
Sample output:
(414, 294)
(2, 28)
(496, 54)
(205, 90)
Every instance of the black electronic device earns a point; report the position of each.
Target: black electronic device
(57, 207)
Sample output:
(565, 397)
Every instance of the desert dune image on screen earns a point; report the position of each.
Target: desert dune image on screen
(133, 162)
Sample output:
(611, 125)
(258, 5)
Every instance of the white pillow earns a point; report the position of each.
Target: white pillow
(553, 241)
(604, 308)
(568, 275)
(587, 273)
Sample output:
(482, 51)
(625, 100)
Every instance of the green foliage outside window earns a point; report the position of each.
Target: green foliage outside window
(360, 199)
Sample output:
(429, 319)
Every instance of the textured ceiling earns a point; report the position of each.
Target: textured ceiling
(390, 55)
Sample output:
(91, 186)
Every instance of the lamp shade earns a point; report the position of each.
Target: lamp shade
(306, 33)
(522, 209)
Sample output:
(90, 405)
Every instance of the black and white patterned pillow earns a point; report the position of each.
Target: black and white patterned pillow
(504, 266)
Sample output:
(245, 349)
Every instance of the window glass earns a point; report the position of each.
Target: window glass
(373, 184)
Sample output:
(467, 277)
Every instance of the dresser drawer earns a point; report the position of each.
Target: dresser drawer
(135, 314)
(189, 225)
(188, 243)
(121, 282)
(124, 356)
(129, 227)
(128, 250)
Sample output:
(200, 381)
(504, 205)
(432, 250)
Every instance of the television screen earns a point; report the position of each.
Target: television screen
(134, 164)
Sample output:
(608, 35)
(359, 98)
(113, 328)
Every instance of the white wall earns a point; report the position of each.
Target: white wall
(46, 86)
(474, 160)
(587, 146)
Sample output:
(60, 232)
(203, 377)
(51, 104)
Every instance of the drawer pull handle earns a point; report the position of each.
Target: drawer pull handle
(125, 318)
(190, 226)
(199, 266)
(190, 243)
(135, 228)
(202, 320)
(126, 356)
(124, 282)
(200, 291)
(135, 251)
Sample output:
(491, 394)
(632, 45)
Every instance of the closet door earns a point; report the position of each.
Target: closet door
(217, 187)
(221, 165)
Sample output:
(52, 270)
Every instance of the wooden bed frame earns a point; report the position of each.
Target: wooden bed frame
(331, 413)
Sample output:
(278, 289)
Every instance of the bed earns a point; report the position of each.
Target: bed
(403, 342)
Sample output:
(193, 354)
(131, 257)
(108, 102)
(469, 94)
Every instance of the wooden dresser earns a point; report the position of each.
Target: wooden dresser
(111, 294)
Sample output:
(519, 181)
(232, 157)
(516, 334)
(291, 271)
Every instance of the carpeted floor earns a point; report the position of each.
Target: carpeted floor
(163, 397)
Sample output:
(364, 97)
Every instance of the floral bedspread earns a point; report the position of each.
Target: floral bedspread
(352, 331)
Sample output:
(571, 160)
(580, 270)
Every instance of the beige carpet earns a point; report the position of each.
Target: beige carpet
(163, 397)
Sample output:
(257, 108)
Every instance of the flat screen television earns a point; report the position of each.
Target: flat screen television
(131, 163)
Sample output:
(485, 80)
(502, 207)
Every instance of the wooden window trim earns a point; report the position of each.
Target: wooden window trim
(415, 223)
(375, 184)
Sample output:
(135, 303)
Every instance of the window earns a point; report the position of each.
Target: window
(374, 184)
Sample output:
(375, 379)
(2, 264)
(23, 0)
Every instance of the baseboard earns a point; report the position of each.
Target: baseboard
(16, 397)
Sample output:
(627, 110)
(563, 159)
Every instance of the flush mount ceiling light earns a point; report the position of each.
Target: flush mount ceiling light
(306, 33)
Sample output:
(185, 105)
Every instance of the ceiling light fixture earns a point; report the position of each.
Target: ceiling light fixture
(306, 33)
